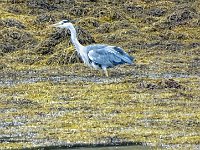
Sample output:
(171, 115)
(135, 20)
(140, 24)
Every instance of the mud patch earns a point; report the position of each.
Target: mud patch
(20, 102)
(167, 83)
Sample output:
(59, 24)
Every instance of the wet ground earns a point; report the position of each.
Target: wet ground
(118, 148)
(12, 78)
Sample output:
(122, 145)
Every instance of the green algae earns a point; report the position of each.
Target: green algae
(87, 112)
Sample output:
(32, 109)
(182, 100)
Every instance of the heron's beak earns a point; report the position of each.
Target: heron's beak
(54, 25)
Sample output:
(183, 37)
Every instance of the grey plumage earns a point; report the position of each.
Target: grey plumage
(98, 56)
(108, 56)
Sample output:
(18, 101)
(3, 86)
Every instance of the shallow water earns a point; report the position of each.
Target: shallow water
(32, 78)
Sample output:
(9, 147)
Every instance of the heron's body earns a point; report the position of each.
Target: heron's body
(98, 56)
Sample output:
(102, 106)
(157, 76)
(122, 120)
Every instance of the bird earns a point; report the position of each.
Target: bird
(98, 56)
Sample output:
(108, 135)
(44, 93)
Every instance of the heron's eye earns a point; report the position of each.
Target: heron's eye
(65, 21)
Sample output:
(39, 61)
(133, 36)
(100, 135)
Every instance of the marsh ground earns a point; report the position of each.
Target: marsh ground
(49, 98)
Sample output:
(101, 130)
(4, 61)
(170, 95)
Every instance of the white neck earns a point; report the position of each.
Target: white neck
(74, 39)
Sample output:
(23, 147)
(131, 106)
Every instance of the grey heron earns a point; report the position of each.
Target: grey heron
(98, 56)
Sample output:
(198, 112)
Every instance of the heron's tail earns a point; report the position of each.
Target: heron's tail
(128, 59)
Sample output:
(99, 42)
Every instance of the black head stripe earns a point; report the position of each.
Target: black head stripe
(65, 21)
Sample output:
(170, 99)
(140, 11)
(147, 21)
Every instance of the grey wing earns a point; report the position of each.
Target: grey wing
(108, 57)
(124, 56)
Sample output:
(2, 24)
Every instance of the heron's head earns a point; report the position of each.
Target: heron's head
(62, 24)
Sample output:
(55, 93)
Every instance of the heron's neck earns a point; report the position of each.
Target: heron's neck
(74, 39)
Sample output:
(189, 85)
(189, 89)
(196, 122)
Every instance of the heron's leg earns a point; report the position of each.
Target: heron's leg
(106, 72)
(101, 73)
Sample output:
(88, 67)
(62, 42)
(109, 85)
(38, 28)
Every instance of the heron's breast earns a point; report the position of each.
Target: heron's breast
(85, 58)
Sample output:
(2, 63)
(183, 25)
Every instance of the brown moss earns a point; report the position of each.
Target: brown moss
(14, 39)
